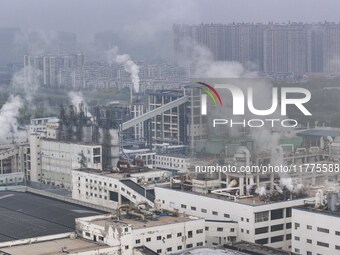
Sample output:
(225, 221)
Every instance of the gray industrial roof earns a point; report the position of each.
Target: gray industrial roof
(26, 215)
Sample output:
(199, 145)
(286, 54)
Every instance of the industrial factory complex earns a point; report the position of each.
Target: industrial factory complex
(114, 180)
(230, 147)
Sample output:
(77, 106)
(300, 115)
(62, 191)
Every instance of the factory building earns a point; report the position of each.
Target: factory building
(246, 218)
(161, 233)
(172, 162)
(114, 189)
(315, 226)
(58, 159)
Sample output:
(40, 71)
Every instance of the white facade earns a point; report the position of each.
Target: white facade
(59, 158)
(315, 232)
(173, 163)
(219, 232)
(257, 222)
(167, 235)
(109, 191)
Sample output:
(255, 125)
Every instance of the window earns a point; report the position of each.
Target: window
(297, 238)
(179, 234)
(297, 250)
(262, 241)
(322, 244)
(261, 216)
(276, 227)
(232, 230)
(242, 218)
(183, 206)
(276, 214)
(169, 249)
(101, 238)
(206, 228)
(169, 236)
(242, 230)
(199, 231)
(126, 229)
(137, 241)
(189, 234)
(148, 239)
(309, 227)
(179, 247)
(87, 234)
(215, 213)
(309, 241)
(189, 245)
(126, 247)
(220, 229)
(288, 212)
(199, 244)
(159, 251)
(276, 239)
(261, 230)
(337, 247)
(337, 233)
(159, 237)
(309, 253)
(193, 208)
(323, 230)
(226, 215)
(204, 210)
(288, 225)
(288, 236)
(247, 220)
(247, 231)
(297, 225)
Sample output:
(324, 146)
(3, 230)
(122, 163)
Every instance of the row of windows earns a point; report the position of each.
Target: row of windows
(273, 228)
(169, 236)
(319, 229)
(194, 208)
(99, 182)
(169, 164)
(274, 215)
(337, 247)
(95, 188)
(188, 246)
(273, 239)
(219, 229)
(169, 159)
(310, 253)
(127, 192)
(94, 195)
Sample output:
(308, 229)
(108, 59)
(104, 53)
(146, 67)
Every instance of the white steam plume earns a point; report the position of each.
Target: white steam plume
(129, 66)
(9, 113)
(76, 99)
(261, 191)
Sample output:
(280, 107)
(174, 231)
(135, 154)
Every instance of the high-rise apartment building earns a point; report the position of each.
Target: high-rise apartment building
(55, 70)
(294, 48)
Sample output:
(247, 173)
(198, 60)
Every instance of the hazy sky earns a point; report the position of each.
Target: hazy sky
(144, 17)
